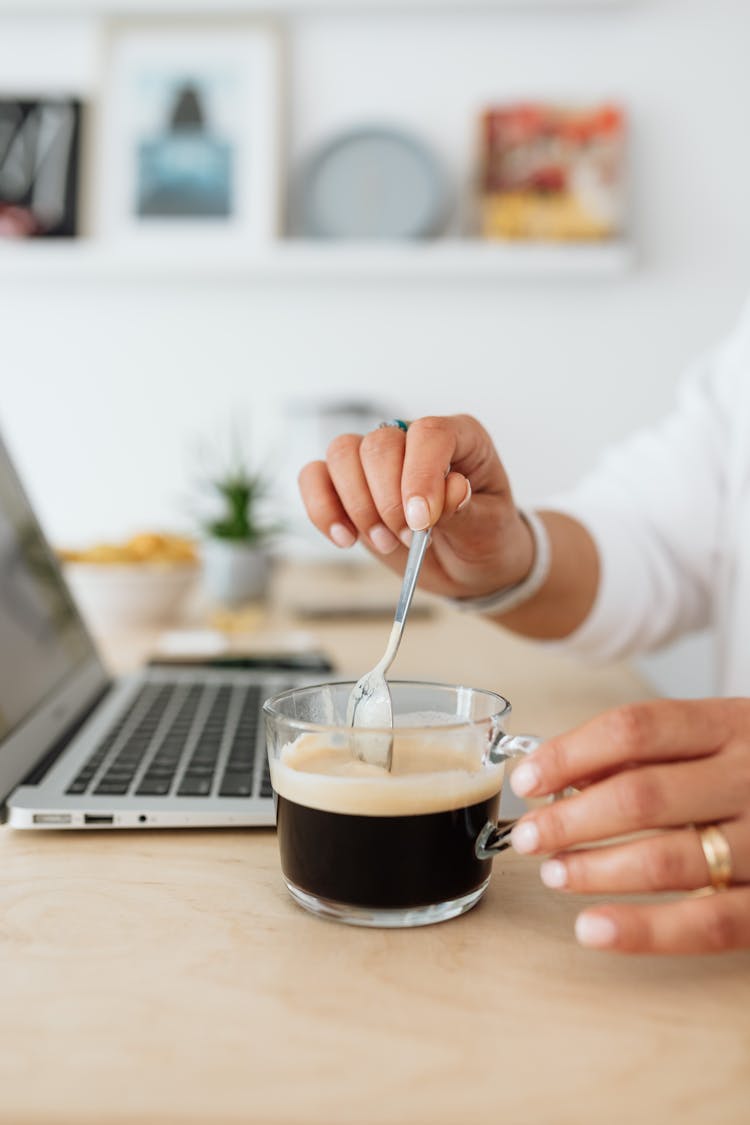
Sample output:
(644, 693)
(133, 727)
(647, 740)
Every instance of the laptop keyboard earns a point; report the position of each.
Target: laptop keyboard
(184, 740)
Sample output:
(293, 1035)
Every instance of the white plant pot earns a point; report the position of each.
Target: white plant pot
(234, 572)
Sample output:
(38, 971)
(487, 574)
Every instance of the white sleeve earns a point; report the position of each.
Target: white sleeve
(655, 508)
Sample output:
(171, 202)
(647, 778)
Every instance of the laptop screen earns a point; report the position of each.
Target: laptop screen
(42, 639)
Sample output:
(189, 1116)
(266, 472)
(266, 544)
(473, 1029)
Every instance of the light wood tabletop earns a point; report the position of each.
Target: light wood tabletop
(163, 977)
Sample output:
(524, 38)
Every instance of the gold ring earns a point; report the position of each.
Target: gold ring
(718, 856)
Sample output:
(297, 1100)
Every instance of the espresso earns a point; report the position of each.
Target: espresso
(353, 833)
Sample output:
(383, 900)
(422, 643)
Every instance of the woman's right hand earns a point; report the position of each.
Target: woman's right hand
(443, 473)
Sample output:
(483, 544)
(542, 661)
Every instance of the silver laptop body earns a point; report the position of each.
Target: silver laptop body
(164, 748)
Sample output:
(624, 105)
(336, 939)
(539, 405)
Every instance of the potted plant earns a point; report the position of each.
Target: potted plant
(236, 548)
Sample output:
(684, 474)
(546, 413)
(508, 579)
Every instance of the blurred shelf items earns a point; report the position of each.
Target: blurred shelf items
(173, 169)
(373, 183)
(553, 173)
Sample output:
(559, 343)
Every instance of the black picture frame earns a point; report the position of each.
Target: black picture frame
(40, 167)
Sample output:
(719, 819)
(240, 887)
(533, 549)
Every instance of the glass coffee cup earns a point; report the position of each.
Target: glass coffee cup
(402, 848)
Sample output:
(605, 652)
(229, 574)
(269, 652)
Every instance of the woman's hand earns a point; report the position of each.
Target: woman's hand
(444, 473)
(666, 765)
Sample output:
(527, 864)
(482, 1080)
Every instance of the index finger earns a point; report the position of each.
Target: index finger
(434, 445)
(662, 730)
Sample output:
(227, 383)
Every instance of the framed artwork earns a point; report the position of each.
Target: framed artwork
(553, 172)
(40, 142)
(188, 141)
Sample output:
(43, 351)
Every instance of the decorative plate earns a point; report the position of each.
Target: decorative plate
(372, 182)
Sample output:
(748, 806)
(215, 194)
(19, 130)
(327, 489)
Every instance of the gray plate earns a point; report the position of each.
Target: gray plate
(372, 183)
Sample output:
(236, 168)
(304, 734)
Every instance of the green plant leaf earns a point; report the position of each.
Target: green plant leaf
(240, 491)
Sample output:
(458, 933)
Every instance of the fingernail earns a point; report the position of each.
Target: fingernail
(525, 779)
(417, 513)
(466, 498)
(554, 873)
(382, 540)
(341, 535)
(525, 837)
(595, 930)
(405, 537)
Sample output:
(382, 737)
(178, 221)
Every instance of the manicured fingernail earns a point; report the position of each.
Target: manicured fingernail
(525, 779)
(382, 540)
(525, 837)
(554, 873)
(417, 513)
(405, 537)
(341, 535)
(595, 930)
(466, 498)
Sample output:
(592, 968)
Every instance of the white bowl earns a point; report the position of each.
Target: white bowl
(124, 595)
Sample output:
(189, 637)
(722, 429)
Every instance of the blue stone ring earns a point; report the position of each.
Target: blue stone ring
(395, 424)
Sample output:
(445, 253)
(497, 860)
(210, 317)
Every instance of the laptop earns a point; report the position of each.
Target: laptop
(163, 748)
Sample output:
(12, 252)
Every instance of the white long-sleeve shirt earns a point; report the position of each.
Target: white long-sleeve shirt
(669, 510)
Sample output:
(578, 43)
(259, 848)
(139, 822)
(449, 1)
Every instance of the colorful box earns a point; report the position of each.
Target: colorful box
(552, 173)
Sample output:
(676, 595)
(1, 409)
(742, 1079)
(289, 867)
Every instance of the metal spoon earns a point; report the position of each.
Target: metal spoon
(370, 701)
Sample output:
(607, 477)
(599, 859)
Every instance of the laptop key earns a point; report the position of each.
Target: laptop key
(192, 786)
(154, 787)
(80, 785)
(235, 784)
(156, 770)
(242, 753)
(114, 788)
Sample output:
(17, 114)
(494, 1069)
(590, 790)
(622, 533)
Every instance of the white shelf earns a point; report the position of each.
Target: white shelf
(441, 260)
(239, 7)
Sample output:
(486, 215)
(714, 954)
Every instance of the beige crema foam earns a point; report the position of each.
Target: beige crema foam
(426, 776)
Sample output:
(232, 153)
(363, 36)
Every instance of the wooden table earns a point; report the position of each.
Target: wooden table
(168, 977)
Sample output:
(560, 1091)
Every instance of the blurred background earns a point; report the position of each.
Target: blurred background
(281, 219)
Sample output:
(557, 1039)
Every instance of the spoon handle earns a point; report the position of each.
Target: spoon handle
(417, 549)
(419, 542)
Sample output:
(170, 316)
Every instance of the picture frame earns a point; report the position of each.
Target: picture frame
(188, 140)
(40, 159)
(553, 172)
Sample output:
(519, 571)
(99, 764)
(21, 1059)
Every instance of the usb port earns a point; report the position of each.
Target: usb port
(92, 818)
(51, 818)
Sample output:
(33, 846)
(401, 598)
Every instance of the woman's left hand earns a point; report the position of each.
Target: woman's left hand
(664, 765)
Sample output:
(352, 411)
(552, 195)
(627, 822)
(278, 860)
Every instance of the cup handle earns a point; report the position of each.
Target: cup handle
(495, 836)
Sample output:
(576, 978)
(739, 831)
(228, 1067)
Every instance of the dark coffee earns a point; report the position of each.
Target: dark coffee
(383, 861)
(350, 833)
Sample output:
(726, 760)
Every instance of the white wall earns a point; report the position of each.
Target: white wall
(104, 386)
